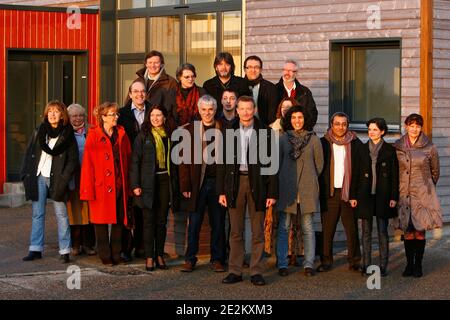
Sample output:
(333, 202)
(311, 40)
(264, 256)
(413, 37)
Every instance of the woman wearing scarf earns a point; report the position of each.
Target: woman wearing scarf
(104, 181)
(301, 162)
(50, 161)
(188, 94)
(152, 180)
(81, 231)
(374, 191)
(418, 206)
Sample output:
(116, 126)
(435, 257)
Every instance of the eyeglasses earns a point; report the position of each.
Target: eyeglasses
(137, 91)
(253, 67)
(111, 115)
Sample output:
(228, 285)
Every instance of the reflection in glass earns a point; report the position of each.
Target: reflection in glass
(232, 40)
(201, 44)
(158, 3)
(375, 84)
(130, 4)
(165, 37)
(131, 35)
(127, 76)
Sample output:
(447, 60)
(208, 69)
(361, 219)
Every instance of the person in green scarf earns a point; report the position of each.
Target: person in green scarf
(152, 182)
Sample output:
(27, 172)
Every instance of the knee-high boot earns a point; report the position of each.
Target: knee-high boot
(420, 249)
(409, 252)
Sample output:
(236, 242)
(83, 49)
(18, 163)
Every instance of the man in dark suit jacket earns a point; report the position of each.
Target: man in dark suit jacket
(289, 86)
(264, 92)
(225, 79)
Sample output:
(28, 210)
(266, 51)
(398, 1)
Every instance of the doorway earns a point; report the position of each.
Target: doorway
(33, 79)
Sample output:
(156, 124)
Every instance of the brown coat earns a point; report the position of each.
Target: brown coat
(191, 175)
(419, 174)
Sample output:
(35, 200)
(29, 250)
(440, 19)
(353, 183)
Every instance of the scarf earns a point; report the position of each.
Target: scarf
(346, 141)
(158, 134)
(252, 83)
(298, 141)
(187, 108)
(64, 133)
(374, 149)
(79, 129)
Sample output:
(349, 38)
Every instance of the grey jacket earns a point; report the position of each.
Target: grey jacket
(419, 174)
(298, 179)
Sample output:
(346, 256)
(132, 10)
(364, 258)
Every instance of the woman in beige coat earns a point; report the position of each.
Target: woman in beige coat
(418, 207)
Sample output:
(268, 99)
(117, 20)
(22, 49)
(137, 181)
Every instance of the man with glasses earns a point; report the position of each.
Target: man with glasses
(290, 87)
(225, 79)
(339, 146)
(264, 92)
(131, 117)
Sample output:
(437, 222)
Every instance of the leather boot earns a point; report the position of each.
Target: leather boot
(409, 252)
(420, 249)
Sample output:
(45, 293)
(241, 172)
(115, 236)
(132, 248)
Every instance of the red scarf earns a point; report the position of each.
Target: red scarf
(187, 108)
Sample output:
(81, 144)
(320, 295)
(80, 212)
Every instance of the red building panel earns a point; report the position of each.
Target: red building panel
(45, 30)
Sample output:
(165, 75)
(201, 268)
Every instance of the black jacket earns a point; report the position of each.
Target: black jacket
(387, 185)
(143, 172)
(63, 168)
(267, 102)
(303, 96)
(214, 87)
(263, 187)
(324, 178)
(161, 93)
(129, 122)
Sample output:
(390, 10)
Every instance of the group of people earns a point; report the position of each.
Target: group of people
(113, 183)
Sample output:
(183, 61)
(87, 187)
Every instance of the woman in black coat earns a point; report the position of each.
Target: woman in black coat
(49, 164)
(153, 178)
(374, 190)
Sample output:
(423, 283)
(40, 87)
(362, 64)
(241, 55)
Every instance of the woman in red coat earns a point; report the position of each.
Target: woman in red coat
(104, 180)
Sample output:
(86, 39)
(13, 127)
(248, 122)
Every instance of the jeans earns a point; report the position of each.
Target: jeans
(38, 224)
(383, 241)
(207, 197)
(309, 238)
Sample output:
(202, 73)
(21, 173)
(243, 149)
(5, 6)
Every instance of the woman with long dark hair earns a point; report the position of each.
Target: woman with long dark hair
(153, 182)
(50, 161)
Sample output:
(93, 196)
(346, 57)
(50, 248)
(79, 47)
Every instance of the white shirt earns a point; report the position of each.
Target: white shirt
(289, 91)
(45, 163)
(245, 134)
(138, 114)
(339, 159)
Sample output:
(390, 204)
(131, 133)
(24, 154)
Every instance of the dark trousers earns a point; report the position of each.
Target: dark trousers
(82, 235)
(237, 220)
(383, 241)
(155, 220)
(207, 197)
(109, 246)
(138, 233)
(340, 209)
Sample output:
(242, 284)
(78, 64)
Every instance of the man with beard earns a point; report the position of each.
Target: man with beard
(290, 87)
(264, 92)
(225, 79)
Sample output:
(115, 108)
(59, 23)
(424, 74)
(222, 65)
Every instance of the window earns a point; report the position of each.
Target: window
(131, 35)
(365, 81)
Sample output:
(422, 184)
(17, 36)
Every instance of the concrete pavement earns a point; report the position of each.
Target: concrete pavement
(47, 278)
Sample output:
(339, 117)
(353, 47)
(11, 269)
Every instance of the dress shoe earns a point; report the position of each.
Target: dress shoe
(188, 267)
(309, 272)
(232, 278)
(149, 264)
(283, 272)
(323, 268)
(258, 280)
(33, 255)
(417, 271)
(161, 264)
(65, 258)
(216, 266)
(408, 272)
